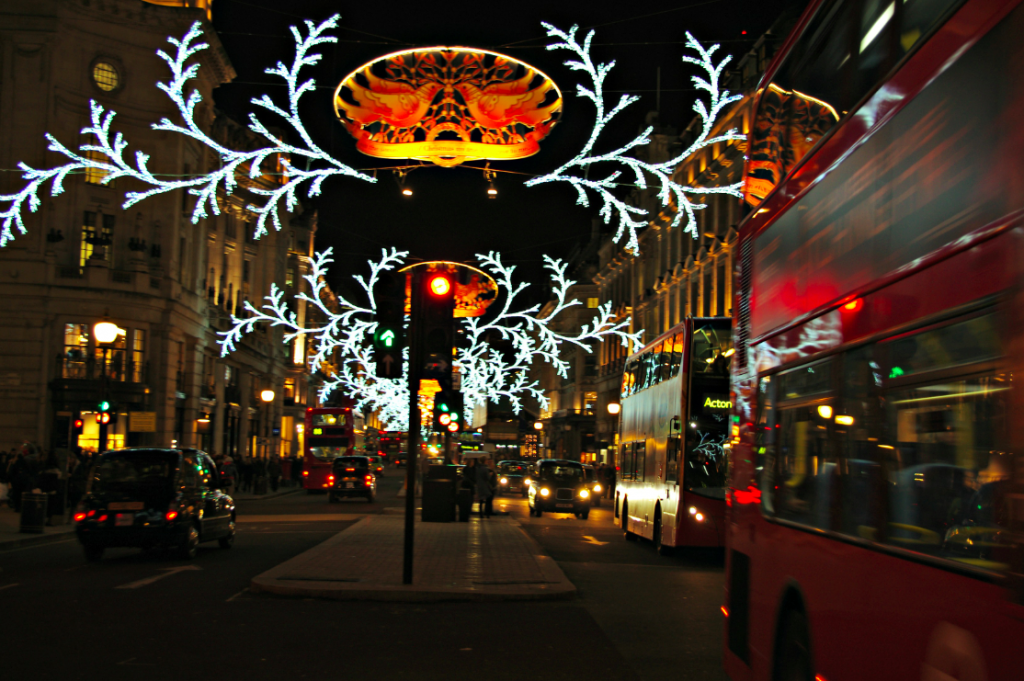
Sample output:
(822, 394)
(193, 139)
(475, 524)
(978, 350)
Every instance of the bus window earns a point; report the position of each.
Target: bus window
(712, 348)
(626, 462)
(857, 426)
(639, 461)
(656, 364)
(672, 461)
(677, 354)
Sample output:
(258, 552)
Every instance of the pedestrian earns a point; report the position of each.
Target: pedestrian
(274, 472)
(228, 475)
(482, 481)
(492, 486)
(297, 471)
(246, 471)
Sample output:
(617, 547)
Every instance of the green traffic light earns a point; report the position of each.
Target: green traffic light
(387, 338)
(455, 417)
(443, 407)
(104, 405)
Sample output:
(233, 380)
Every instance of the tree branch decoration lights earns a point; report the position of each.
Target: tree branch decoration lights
(488, 373)
(105, 149)
(233, 163)
(671, 191)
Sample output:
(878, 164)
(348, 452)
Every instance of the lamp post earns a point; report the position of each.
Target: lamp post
(105, 333)
(267, 396)
(614, 408)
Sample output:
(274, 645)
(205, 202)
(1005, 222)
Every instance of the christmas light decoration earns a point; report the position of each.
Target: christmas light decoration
(233, 163)
(670, 190)
(487, 373)
(105, 149)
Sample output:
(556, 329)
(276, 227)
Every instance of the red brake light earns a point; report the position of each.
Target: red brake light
(725, 611)
(330, 478)
(90, 513)
(170, 515)
(79, 517)
(349, 470)
(305, 473)
(103, 518)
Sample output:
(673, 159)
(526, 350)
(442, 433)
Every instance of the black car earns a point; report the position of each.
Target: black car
(512, 476)
(400, 459)
(559, 486)
(147, 497)
(595, 485)
(352, 476)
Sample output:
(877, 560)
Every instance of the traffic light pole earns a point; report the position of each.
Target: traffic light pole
(412, 461)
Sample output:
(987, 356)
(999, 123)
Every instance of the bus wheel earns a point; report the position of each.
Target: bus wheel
(793, 651)
(630, 536)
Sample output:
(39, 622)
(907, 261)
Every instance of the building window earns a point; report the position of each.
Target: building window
(138, 355)
(106, 76)
(96, 175)
(88, 236)
(76, 350)
(290, 279)
(593, 302)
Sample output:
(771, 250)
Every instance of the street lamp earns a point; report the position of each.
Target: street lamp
(105, 333)
(267, 395)
(614, 408)
(538, 425)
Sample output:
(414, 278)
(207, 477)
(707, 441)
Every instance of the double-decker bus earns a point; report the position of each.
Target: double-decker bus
(673, 429)
(329, 434)
(391, 443)
(876, 493)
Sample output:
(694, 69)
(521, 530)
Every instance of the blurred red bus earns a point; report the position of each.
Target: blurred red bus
(329, 434)
(673, 432)
(876, 501)
(391, 443)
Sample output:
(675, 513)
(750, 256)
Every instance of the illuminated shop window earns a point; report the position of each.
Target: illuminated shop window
(105, 75)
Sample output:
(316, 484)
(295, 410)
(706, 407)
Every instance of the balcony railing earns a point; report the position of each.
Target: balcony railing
(117, 369)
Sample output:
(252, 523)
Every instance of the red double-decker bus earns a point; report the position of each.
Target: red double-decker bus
(329, 434)
(876, 502)
(674, 427)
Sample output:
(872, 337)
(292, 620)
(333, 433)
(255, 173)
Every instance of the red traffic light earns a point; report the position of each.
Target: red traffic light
(79, 423)
(440, 285)
(103, 417)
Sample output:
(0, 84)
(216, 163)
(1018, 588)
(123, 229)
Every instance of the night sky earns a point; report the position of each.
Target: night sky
(449, 216)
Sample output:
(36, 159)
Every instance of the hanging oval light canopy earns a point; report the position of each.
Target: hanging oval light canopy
(448, 105)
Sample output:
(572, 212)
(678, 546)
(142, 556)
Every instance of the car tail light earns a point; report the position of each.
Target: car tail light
(330, 478)
(305, 474)
(90, 513)
(103, 518)
(349, 470)
(79, 517)
(170, 515)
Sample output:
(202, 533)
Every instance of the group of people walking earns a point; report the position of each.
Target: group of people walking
(479, 476)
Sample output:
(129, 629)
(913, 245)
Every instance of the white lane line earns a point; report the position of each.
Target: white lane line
(9, 586)
(237, 595)
(155, 578)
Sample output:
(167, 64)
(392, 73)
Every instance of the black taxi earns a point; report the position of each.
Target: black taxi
(352, 476)
(147, 497)
(559, 486)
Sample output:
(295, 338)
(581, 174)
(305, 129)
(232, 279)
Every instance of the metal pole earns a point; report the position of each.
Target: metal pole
(102, 438)
(411, 462)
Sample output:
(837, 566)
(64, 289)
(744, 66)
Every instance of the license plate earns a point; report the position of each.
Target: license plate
(563, 505)
(126, 506)
(125, 520)
(348, 485)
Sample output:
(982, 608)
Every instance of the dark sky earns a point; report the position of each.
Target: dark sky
(450, 217)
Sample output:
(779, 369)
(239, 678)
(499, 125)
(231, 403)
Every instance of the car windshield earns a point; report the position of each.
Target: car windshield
(135, 468)
(589, 472)
(561, 471)
(352, 462)
(513, 469)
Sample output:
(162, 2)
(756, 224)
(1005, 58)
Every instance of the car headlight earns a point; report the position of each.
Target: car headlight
(526, 482)
(544, 491)
(584, 494)
(504, 481)
(597, 488)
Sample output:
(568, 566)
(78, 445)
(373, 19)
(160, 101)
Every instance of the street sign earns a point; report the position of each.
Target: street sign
(142, 422)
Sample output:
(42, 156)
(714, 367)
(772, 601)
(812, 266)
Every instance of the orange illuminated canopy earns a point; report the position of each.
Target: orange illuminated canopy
(448, 105)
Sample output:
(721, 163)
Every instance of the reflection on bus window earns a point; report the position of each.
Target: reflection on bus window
(329, 453)
(949, 469)
(712, 348)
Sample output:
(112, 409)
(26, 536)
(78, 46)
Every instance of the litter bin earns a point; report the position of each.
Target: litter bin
(464, 502)
(33, 512)
(259, 485)
(438, 500)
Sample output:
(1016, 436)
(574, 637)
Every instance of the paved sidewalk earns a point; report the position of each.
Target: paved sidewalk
(12, 538)
(482, 560)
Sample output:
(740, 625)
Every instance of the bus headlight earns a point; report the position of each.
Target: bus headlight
(544, 491)
(584, 494)
(597, 488)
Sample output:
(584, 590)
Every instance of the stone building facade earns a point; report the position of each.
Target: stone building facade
(167, 283)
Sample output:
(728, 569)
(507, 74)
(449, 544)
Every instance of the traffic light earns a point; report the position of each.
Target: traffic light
(438, 321)
(389, 336)
(78, 426)
(448, 416)
(103, 412)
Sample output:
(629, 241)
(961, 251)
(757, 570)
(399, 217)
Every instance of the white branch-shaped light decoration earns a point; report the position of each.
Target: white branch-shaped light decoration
(233, 163)
(670, 191)
(488, 373)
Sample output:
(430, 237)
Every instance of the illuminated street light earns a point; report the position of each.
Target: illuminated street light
(106, 332)
(538, 425)
(267, 395)
(614, 408)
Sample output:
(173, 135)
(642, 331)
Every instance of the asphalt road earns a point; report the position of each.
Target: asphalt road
(148, 615)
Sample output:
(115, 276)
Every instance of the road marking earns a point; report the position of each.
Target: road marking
(156, 578)
(591, 540)
(237, 595)
(9, 586)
